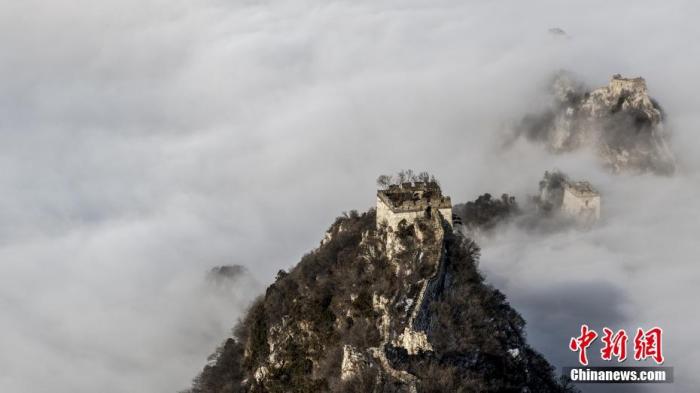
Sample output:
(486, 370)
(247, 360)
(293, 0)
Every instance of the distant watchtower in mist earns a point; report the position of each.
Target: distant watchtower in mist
(576, 199)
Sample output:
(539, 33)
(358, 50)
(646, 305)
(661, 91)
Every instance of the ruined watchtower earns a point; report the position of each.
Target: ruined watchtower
(408, 201)
(619, 85)
(581, 200)
(575, 199)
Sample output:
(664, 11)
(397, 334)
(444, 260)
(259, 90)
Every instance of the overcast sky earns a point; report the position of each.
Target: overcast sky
(144, 142)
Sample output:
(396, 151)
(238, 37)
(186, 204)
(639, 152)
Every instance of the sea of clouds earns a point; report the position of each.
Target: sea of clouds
(144, 142)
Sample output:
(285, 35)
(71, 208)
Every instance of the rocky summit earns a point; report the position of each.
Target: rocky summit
(620, 122)
(381, 308)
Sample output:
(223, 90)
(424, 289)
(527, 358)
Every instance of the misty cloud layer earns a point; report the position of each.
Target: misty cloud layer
(146, 142)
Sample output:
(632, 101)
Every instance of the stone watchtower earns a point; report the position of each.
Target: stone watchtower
(618, 85)
(581, 200)
(409, 201)
(576, 199)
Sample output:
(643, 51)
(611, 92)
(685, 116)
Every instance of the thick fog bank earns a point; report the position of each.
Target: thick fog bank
(146, 142)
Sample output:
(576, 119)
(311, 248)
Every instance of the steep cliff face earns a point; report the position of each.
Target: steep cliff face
(620, 121)
(381, 310)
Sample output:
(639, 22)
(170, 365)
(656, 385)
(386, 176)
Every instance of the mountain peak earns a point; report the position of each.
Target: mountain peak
(620, 122)
(379, 308)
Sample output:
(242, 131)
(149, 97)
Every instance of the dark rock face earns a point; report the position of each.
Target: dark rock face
(377, 310)
(620, 122)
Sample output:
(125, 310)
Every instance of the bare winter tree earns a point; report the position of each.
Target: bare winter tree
(384, 181)
(401, 177)
(405, 176)
(424, 177)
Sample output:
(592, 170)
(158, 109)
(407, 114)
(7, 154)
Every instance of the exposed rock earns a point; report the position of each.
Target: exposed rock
(354, 363)
(261, 373)
(414, 342)
(620, 121)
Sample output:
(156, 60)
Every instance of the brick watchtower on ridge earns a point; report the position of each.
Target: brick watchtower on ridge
(409, 201)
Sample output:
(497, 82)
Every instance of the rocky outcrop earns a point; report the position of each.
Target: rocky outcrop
(354, 363)
(378, 309)
(620, 122)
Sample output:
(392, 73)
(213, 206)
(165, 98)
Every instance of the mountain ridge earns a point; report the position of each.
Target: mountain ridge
(381, 310)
